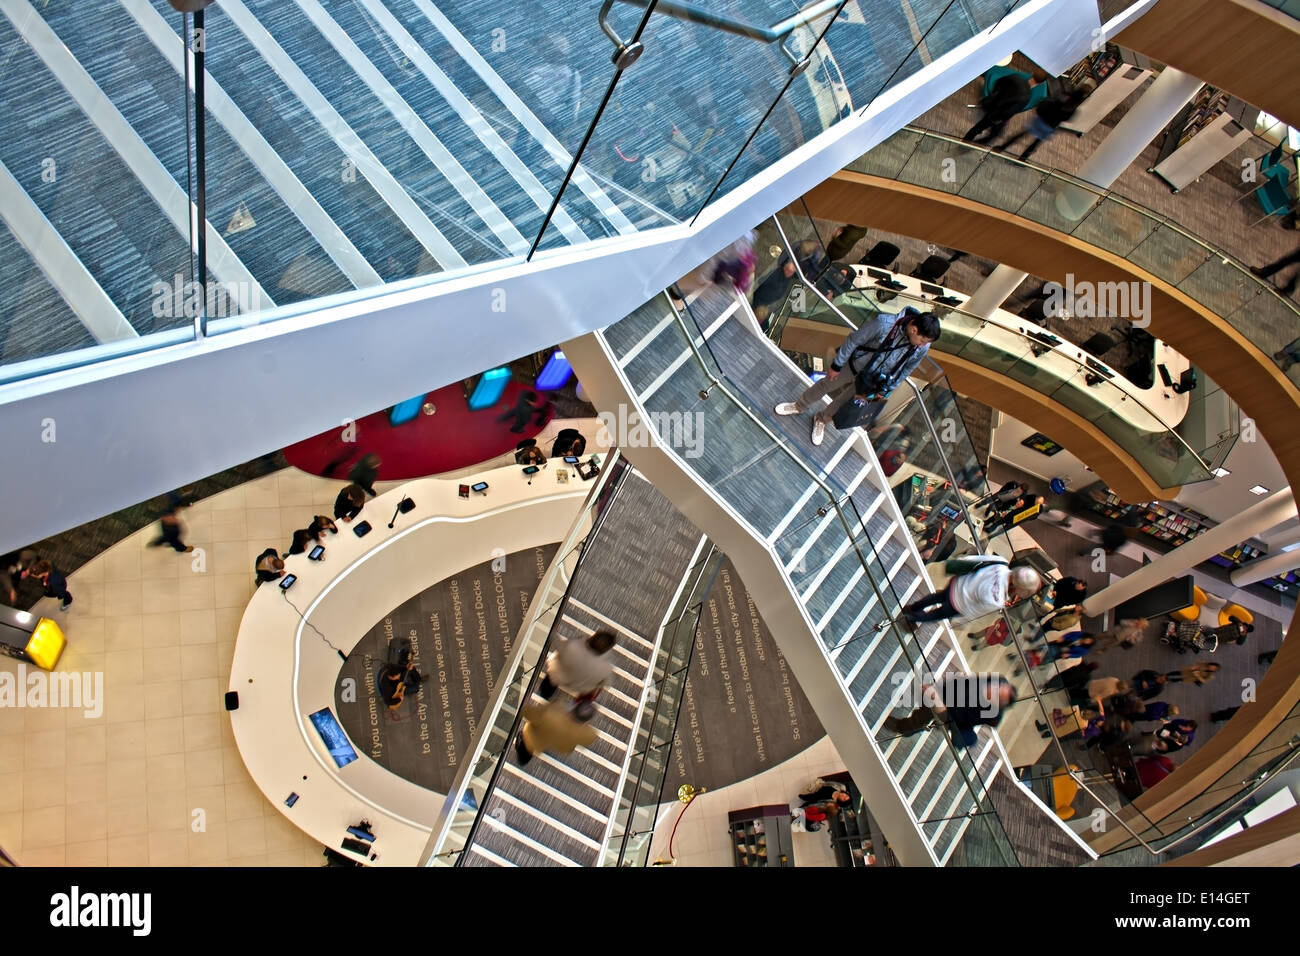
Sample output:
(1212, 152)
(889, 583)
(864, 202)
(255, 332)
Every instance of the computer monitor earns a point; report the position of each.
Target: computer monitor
(361, 834)
(928, 289)
(331, 733)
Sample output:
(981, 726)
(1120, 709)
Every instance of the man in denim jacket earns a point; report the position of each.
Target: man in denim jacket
(877, 357)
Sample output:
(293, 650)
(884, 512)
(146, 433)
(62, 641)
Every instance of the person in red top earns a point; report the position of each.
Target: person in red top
(1151, 770)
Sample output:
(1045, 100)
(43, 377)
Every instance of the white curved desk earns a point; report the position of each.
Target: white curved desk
(284, 671)
(1165, 409)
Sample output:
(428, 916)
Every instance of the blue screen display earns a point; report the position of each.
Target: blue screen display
(489, 388)
(404, 412)
(555, 374)
(331, 732)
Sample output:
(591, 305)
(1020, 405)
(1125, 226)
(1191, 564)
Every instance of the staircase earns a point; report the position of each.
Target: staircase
(558, 811)
(819, 524)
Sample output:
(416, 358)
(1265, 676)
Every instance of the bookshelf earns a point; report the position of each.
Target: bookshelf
(761, 836)
(1174, 526)
(856, 839)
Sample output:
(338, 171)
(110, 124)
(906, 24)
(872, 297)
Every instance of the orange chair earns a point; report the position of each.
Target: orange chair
(1235, 610)
(1192, 611)
(1064, 790)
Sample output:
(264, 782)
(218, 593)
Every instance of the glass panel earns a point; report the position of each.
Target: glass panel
(1222, 286)
(1146, 239)
(888, 158)
(95, 236)
(1115, 226)
(1002, 183)
(1059, 204)
(1169, 254)
(942, 164)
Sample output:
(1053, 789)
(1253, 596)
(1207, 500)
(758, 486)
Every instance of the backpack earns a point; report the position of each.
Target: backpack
(970, 563)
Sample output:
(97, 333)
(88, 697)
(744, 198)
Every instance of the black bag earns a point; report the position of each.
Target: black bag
(854, 413)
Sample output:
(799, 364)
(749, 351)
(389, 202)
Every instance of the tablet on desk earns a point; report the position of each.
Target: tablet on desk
(286, 582)
(361, 529)
(316, 553)
(949, 512)
(479, 487)
(570, 459)
(531, 469)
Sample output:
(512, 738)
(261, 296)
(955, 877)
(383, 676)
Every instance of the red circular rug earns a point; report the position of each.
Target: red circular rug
(453, 437)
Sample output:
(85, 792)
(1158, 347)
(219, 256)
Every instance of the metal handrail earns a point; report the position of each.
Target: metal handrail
(1283, 762)
(1011, 628)
(654, 715)
(530, 674)
(777, 31)
(1164, 221)
(958, 755)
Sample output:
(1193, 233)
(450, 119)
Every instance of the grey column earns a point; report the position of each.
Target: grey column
(1277, 507)
(1265, 567)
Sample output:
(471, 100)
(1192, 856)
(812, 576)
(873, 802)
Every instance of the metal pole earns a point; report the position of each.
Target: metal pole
(201, 175)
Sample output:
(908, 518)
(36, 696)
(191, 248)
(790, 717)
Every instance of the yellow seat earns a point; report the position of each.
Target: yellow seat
(1064, 790)
(1193, 611)
(1237, 611)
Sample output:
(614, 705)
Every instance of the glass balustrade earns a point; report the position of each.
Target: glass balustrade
(470, 788)
(637, 812)
(346, 147)
(1161, 450)
(829, 528)
(95, 226)
(928, 429)
(1211, 277)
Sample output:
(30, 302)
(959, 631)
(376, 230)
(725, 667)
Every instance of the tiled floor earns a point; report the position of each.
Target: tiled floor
(703, 837)
(157, 779)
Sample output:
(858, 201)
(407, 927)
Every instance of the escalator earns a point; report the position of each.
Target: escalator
(561, 810)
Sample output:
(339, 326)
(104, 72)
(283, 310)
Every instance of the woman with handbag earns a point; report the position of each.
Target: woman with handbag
(581, 668)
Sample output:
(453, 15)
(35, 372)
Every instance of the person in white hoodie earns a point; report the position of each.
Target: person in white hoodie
(580, 667)
(980, 584)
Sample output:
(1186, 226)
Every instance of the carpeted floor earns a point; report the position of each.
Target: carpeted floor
(460, 631)
(452, 437)
(742, 710)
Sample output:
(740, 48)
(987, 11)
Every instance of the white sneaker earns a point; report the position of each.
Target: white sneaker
(818, 431)
(787, 408)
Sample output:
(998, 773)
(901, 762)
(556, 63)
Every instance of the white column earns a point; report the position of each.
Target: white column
(1153, 111)
(1156, 108)
(1277, 507)
(994, 290)
(1265, 567)
(1280, 540)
